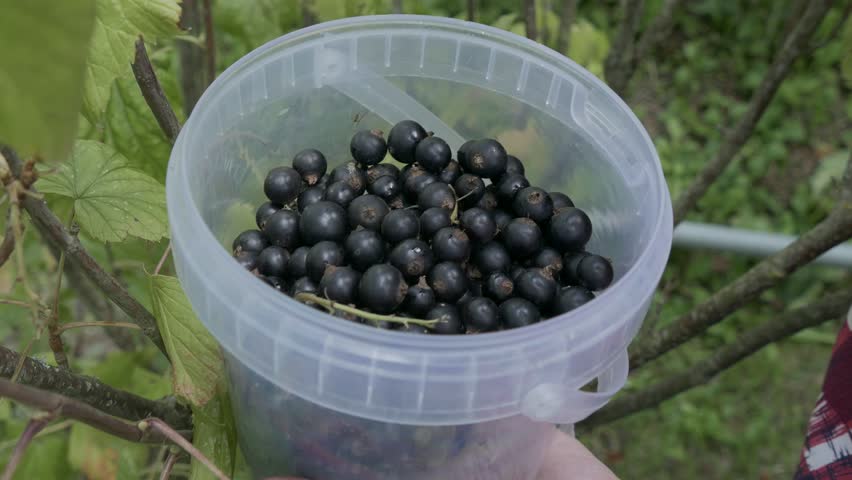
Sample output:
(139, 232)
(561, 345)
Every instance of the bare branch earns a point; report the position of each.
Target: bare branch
(72, 325)
(34, 426)
(191, 56)
(7, 246)
(60, 405)
(830, 307)
(52, 230)
(566, 21)
(153, 93)
(471, 10)
(171, 460)
(617, 66)
(530, 20)
(90, 390)
(835, 229)
(54, 333)
(209, 42)
(794, 46)
(167, 431)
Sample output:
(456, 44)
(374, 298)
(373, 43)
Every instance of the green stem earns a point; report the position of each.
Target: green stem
(328, 304)
(454, 217)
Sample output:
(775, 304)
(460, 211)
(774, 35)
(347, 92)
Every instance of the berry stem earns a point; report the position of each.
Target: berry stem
(454, 217)
(328, 304)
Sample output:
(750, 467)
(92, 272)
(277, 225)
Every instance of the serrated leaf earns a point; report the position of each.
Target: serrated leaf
(111, 200)
(215, 435)
(41, 73)
(118, 23)
(196, 359)
(132, 129)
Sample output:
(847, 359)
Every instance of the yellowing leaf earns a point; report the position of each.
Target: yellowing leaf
(44, 44)
(112, 201)
(98, 455)
(196, 359)
(118, 24)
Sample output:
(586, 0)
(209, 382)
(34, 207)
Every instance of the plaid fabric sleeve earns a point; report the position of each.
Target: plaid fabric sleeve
(827, 454)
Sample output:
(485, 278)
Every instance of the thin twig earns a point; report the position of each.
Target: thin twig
(190, 56)
(8, 243)
(16, 303)
(308, 16)
(153, 93)
(530, 23)
(566, 21)
(835, 229)
(209, 42)
(22, 358)
(69, 326)
(617, 64)
(794, 46)
(471, 10)
(831, 307)
(90, 391)
(834, 31)
(167, 431)
(163, 259)
(169, 464)
(331, 306)
(54, 333)
(56, 427)
(55, 233)
(34, 426)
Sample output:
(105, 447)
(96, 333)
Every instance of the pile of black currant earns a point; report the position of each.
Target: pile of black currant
(440, 246)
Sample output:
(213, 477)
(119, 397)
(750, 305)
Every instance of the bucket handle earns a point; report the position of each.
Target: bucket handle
(557, 403)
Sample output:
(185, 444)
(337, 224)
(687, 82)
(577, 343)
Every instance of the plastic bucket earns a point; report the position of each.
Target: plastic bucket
(328, 399)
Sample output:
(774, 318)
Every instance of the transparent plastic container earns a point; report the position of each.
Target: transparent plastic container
(328, 399)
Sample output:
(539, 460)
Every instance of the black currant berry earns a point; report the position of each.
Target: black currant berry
(595, 272)
(309, 196)
(470, 189)
(399, 225)
(282, 229)
(282, 185)
(522, 238)
(250, 241)
(272, 261)
(548, 258)
(537, 286)
(570, 264)
(264, 212)
(418, 301)
(277, 283)
(322, 221)
(303, 285)
(386, 187)
(560, 201)
(432, 220)
(492, 257)
(340, 193)
(448, 281)
(517, 312)
(368, 147)
(478, 224)
(515, 272)
(247, 259)
(364, 248)
(461, 155)
(451, 244)
(324, 181)
(501, 219)
(403, 139)
(437, 194)
(297, 265)
(450, 173)
(498, 287)
(486, 158)
(570, 298)
(513, 165)
(570, 229)
(322, 255)
(311, 165)
(382, 170)
(433, 154)
(382, 288)
(413, 258)
(508, 186)
(489, 200)
(533, 203)
(367, 211)
(480, 315)
(351, 174)
(448, 317)
(416, 181)
(340, 284)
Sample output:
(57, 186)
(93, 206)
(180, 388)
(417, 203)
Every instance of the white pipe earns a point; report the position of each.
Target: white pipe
(749, 242)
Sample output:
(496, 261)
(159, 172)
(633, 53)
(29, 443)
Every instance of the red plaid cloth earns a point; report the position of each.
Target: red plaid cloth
(827, 454)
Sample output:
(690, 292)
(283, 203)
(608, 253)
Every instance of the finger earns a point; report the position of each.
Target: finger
(568, 459)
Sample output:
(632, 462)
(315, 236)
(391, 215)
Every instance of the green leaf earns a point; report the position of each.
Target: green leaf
(41, 73)
(112, 201)
(118, 23)
(132, 129)
(215, 435)
(196, 359)
(830, 167)
(99, 455)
